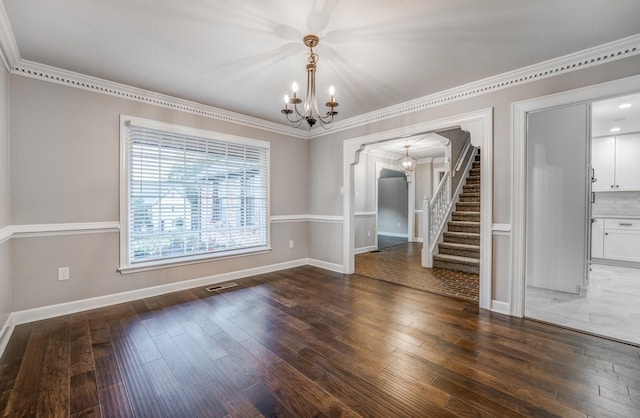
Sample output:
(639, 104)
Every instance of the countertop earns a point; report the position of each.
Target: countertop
(616, 216)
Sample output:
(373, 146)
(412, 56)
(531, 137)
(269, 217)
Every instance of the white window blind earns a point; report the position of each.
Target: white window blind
(190, 195)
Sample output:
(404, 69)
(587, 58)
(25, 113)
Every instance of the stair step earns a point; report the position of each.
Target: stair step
(468, 206)
(466, 216)
(470, 197)
(471, 188)
(475, 164)
(462, 237)
(452, 262)
(460, 250)
(473, 180)
(463, 226)
(474, 172)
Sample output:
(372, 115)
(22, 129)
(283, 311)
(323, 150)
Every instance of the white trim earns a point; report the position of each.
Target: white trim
(480, 124)
(500, 307)
(611, 51)
(5, 332)
(8, 48)
(362, 250)
(40, 230)
(519, 112)
(365, 213)
(501, 229)
(36, 314)
(338, 268)
(69, 78)
(6, 232)
(393, 234)
(306, 218)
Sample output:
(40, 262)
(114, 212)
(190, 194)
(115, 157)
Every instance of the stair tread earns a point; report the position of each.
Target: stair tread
(470, 223)
(466, 212)
(463, 234)
(456, 259)
(459, 246)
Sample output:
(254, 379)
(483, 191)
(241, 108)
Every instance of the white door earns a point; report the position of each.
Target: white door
(602, 158)
(558, 192)
(627, 166)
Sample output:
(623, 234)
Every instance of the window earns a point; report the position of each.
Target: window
(189, 195)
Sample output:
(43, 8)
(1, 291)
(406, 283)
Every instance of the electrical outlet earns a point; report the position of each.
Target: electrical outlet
(63, 273)
(291, 244)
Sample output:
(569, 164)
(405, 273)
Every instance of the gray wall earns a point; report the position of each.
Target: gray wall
(393, 206)
(500, 101)
(65, 169)
(6, 305)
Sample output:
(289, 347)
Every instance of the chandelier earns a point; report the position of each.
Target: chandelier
(309, 109)
(407, 162)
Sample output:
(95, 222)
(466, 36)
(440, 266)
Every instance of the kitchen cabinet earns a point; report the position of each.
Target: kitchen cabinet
(622, 239)
(597, 238)
(615, 162)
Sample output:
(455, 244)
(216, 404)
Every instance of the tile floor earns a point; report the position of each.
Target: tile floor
(610, 306)
(401, 264)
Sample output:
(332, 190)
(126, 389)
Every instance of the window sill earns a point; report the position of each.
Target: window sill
(185, 261)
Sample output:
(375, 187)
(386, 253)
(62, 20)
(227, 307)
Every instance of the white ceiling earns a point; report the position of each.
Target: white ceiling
(421, 146)
(607, 115)
(243, 55)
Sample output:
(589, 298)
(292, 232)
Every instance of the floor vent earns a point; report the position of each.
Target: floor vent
(221, 287)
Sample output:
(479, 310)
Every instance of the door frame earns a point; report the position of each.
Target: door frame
(519, 111)
(480, 125)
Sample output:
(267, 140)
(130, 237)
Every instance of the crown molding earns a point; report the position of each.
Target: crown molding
(70, 78)
(612, 51)
(8, 47)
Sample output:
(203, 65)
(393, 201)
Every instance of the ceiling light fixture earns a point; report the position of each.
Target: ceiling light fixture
(615, 129)
(309, 111)
(624, 106)
(407, 162)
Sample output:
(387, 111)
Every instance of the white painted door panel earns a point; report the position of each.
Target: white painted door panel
(557, 215)
(602, 158)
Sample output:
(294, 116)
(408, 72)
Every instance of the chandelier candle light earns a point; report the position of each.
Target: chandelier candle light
(309, 111)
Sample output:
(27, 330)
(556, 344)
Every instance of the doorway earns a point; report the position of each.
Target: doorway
(576, 272)
(393, 208)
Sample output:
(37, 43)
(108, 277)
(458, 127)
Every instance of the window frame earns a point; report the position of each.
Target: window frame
(126, 265)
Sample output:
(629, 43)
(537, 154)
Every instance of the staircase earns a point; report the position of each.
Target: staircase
(460, 249)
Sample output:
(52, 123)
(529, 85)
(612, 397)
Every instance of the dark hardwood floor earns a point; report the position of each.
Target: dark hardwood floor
(309, 343)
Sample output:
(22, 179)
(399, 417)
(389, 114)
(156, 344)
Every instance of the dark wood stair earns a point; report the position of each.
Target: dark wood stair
(460, 249)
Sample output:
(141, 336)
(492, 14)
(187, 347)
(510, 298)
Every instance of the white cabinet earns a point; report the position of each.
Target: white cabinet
(622, 239)
(615, 161)
(597, 238)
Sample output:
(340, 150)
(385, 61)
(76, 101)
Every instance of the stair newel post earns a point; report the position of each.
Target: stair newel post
(427, 257)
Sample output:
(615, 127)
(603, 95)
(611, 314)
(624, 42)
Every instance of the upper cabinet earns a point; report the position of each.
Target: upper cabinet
(616, 162)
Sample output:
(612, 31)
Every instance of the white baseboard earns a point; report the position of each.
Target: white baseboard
(393, 234)
(364, 249)
(36, 314)
(5, 333)
(500, 307)
(338, 268)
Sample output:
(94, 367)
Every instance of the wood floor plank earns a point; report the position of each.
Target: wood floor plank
(308, 342)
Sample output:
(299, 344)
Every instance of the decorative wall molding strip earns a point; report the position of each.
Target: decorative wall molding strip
(338, 268)
(362, 250)
(6, 330)
(8, 48)
(38, 230)
(612, 51)
(306, 218)
(501, 229)
(5, 233)
(97, 85)
(365, 213)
